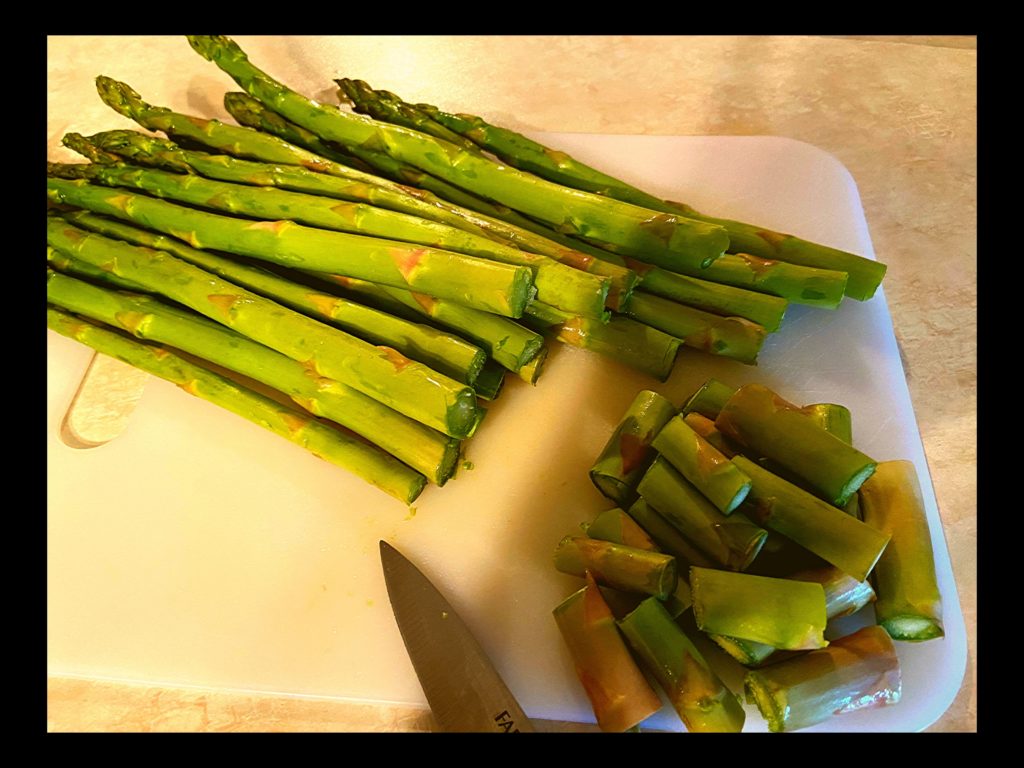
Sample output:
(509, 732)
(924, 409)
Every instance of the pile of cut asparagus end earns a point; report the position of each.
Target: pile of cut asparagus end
(746, 524)
(386, 272)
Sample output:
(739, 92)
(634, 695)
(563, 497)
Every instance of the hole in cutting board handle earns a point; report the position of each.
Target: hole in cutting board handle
(106, 398)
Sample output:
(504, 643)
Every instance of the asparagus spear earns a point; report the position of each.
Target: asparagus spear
(451, 203)
(622, 339)
(859, 671)
(667, 536)
(731, 541)
(443, 352)
(424, 449)
(508, 343)
(732, 337)
(487, 285)
(771, 427)
(559, 285)
(706, 428)
(813, 287)
(783, 613)
(821, 528)
(909, 604)
(702, 464)
(379, 372)
(615, 686)
(616, 526)
(844, 595)
(617, 565)
(719, 299)
(382, 105)
(351, 454)
(709, 399)
(491, 381)
(699, 697)
(628, 452)
(660, 238)
(521, 152)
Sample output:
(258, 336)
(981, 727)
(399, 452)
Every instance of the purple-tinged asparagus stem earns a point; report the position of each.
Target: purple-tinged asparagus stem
(616, 526)
(616, 688)
(618, 566)
(706, 428)
(859, 671)
(628, 452)
(909, 604)
(699, 697)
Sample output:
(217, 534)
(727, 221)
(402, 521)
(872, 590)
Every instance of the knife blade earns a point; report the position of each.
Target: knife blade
(464, 690)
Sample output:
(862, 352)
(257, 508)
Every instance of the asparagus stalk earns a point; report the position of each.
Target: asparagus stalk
(730, 541)
(699, 697)
(557, 284)
(382, 105)
(733, 337)
(706, 428)
(655, 237)
(443, 352)
(531, 371)
(773, 428)
(490, 382)
(615, 686)
(702, 464)
(783, 613)
(622, 339)
(424, 449)
(486, 285)
(833, 418)
(617, 565)
(823, 288)
(844, 595)
(709, 399)
(668, 537)
(719, 299)
(616, 526)
(909, 604)
(859, 671)
(353, 455)
(628, 452)
(506, 342)
(379, 372)
(71, 266)
(830, 533)
(450, 203)
(521, 152)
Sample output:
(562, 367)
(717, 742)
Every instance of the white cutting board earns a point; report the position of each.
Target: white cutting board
(198, 549)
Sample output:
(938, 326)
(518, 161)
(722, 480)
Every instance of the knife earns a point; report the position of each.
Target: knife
(464, 690)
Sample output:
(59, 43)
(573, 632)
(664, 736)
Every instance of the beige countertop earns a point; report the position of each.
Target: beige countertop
(899, 113)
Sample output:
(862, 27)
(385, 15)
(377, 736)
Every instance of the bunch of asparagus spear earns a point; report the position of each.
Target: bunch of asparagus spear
(754, 523)
(386, 271)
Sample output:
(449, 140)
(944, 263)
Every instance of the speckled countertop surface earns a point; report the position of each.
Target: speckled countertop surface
(899, 112)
